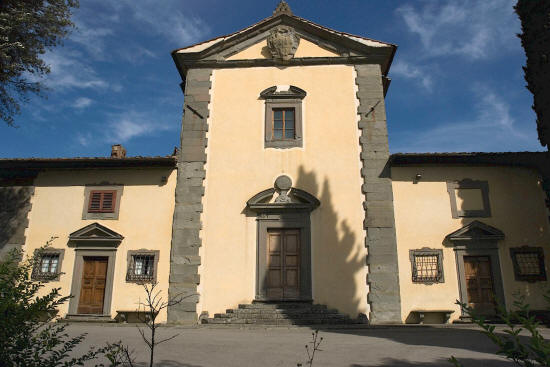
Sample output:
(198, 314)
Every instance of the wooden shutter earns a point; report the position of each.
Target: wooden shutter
(102, 201)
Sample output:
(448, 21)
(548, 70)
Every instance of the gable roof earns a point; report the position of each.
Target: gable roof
(476, 230)
(95, 232)
(351, 46)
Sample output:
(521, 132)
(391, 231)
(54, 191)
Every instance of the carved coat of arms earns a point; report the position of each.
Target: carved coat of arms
(283, 42)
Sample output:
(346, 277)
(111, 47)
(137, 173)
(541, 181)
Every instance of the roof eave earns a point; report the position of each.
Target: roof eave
(88, 163)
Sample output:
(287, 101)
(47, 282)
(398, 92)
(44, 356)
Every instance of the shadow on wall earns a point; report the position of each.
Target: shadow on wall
(131, 177)
(15, 205)
(506, 214)
(335, 257)
(335, 260)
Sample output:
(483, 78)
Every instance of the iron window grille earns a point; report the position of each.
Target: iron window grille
(141, 268)
(528, 263)
(47, 266)
(427, 266)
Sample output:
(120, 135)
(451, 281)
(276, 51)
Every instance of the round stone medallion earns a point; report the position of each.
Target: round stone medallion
(283, 183)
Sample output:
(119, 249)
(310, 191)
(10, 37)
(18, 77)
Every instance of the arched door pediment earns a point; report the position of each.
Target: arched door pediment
(283, 200)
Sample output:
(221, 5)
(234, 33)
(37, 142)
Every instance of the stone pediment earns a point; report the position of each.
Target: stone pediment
(476, 231)
(269, 200)
(282, 197)
(277, 93)
(96, 232)
(283, 38)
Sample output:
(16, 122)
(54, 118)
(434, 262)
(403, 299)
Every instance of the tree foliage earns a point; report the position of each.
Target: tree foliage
(27, 338)
(27, 29)
(535, 39)
(521, 340)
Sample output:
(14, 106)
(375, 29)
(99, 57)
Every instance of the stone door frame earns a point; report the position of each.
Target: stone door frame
(110, 254)
(300, 221)
(289, 210)
(488, 249)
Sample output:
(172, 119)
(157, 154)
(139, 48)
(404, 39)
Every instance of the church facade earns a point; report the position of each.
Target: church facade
(284, 194)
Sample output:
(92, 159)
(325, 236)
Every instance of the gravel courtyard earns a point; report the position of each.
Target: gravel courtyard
(381, 346)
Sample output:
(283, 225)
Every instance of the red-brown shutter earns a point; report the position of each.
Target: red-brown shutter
(94, 205)
(108, 203)
(102, 201)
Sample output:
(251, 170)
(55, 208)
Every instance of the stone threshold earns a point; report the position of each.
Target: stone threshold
(91, 318)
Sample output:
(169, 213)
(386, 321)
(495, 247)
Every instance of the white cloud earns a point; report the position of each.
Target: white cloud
(470, 28)
(67, 71)
(492, 128)
(83, 139)
(167, 20)
(82, 102)
(127, 126)
(410, 71)
(91, 38)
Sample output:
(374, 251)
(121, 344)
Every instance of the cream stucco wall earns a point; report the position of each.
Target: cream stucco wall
(239, 167)
(261, 51)
(145, 221)
(423, 218)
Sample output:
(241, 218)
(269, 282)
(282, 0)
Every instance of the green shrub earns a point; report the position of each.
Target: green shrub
(27, 336)
(528, 351)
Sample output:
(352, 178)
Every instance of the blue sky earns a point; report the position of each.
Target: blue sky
(457, 81)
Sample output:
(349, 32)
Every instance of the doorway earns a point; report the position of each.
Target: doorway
(283, 264)
(480, 288)
(92, 289)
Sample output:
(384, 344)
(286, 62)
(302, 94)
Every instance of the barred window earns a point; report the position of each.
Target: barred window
(142, 266)
(528, 263)
(426, 265)
(47, 265)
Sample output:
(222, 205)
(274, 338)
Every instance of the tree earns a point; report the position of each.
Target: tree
(27, 336)
(535, 39)
(153, 304)
(27, 29)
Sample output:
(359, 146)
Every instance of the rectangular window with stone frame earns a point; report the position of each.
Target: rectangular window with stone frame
(142, 266)
(427, 265)
(102, 201)
(283, 116)
(528, 263)
(47, 264)
(469, 198)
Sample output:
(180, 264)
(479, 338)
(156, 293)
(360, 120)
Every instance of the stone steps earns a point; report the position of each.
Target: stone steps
(291, 313)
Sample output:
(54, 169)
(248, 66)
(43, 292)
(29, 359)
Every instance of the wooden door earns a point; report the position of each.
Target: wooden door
(283, 264)
(479, 284)
(92, 289)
